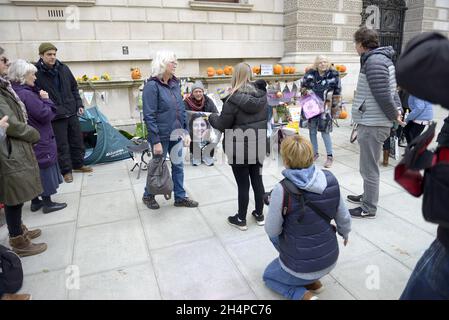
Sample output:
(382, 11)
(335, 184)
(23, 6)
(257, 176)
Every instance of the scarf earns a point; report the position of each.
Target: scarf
(6, 84)
(194, 104)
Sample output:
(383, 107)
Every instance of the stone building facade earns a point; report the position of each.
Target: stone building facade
(96, 36)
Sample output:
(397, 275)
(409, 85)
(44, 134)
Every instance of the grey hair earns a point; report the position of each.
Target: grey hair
(160, 62)
(19, 69)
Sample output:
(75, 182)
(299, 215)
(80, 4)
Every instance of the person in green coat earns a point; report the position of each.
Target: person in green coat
(19, 171)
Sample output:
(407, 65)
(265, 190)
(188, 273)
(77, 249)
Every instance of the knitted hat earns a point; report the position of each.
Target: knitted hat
(197, 85)
(46, 46)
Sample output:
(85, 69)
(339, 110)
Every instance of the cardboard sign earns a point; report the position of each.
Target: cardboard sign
(266, 69)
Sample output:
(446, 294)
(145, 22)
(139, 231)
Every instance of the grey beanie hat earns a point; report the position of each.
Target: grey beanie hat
(197, 85)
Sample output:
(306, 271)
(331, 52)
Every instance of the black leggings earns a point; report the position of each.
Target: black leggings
(243, 174)
(13, 216)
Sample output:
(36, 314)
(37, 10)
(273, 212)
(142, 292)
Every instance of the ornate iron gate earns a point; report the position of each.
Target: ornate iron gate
(387, 17)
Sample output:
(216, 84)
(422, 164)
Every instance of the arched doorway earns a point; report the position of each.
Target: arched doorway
(387, 17)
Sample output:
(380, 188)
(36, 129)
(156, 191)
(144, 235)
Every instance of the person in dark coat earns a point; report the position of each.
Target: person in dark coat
(56, 78)
(19, 171)
(320, 79)
(197, 101)
(244, 123)
(41, 111)
(427, 57)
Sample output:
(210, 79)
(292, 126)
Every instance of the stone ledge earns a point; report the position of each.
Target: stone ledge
(84, 3)
(223, 6)
(111, 84)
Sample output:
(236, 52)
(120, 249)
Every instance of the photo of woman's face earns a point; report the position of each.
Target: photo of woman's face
(200, 129)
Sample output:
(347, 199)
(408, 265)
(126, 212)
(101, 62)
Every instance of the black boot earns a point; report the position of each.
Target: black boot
(50, 206)
(36, 204)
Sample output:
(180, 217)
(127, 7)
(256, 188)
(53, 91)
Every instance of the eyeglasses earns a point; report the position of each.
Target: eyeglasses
(4, 60)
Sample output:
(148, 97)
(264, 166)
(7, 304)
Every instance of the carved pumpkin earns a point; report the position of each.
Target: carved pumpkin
(277, 69)
(292, 70)
(210, 72)
(220, 72)
(343, 114)
(135, 74)
(256, 69)
(286, 70)
(228, 70)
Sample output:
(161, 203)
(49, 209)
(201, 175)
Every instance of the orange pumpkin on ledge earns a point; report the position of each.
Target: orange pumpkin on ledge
(210, 72)
(135, 74)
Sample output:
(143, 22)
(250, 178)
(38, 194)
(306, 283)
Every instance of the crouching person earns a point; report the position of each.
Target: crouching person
(298, 223)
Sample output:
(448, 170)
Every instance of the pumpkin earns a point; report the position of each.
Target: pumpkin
(210, 72)
(292, 70)
(256, 69)
(342, 68)
(277, 69)
(228, 70)
(135, 74)
(343, 114)
(220, 72)
(286, 70)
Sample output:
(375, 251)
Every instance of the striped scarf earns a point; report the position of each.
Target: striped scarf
(6, 84)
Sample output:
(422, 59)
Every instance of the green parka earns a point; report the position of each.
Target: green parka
(19, 172)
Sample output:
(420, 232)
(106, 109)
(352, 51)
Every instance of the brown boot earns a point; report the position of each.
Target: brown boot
(84, 169)
(31, 234)
(309, 296)
(386, 157)
(14, 296)
(24, 247)
(68, 177)
(315, 287)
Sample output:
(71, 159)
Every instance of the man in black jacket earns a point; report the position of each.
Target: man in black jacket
(427, 57)
(57, 79)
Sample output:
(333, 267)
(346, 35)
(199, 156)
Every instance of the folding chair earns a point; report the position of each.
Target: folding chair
(138, 153)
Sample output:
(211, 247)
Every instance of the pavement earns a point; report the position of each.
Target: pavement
(107, 245)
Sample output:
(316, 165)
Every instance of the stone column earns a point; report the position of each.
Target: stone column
(313, 27)
(426, 15)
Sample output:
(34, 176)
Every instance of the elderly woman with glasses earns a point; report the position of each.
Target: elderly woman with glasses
(41, 111)
(19, 172)
(166, 119)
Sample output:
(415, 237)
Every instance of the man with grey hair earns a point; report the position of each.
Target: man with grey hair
(56, 78)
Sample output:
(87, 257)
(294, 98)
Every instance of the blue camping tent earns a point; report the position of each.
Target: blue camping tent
(103, 143)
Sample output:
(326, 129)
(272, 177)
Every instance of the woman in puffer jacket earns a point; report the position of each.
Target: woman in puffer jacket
(244, 123)
(322, 78)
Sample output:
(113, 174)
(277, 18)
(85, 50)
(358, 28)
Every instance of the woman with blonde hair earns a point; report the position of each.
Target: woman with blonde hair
(165, 115)
(244, 123)
(321, 79)
(298, 223)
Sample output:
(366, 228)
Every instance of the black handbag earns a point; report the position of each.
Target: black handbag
(11, 272)
(324, 123)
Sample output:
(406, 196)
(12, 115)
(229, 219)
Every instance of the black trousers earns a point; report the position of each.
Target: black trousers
(13, 215)
(413, 130)
(70, 143)
(243, 174)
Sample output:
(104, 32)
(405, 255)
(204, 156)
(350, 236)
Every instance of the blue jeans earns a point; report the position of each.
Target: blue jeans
(282, 282)
(177, 167)
(430, 279)
(313, 131)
